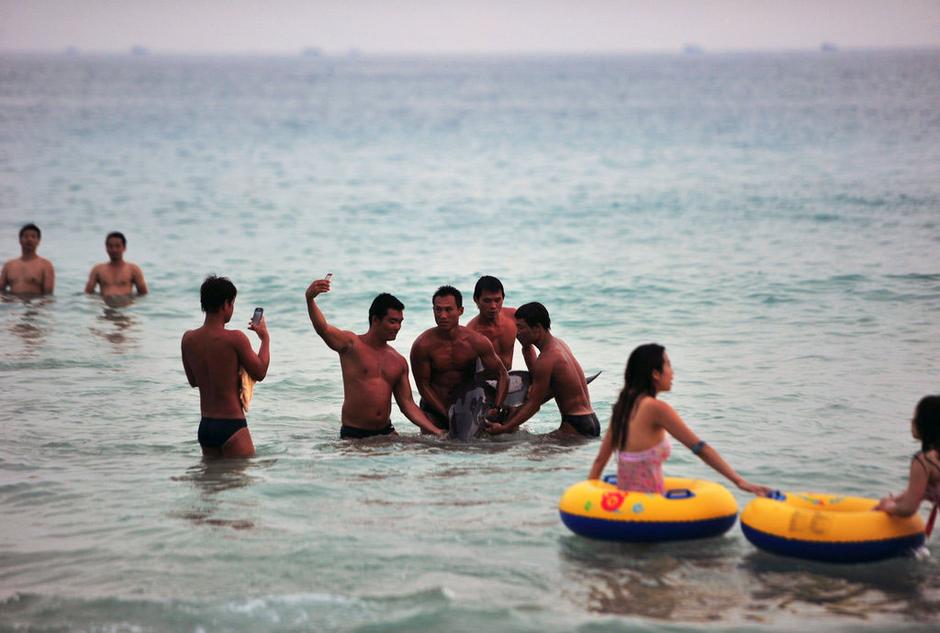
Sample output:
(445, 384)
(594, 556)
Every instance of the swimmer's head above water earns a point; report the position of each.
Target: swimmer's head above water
(216, 293)
(448, 307)
(385, 316)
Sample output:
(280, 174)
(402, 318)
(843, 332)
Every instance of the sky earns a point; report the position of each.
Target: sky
(463, 26)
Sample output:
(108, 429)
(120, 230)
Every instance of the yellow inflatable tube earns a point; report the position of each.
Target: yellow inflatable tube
(828, 527)
(688, 509)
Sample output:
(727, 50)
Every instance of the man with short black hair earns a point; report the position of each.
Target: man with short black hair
(28, 274)
(444, 359)
(117, 278)
(496, 322)
(212, 357)
(555, 372)
(373, 371)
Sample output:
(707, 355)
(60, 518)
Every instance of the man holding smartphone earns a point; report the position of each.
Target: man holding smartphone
(373, 371)
(212, 356)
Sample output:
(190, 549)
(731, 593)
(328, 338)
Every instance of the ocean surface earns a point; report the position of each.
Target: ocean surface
(772, 219)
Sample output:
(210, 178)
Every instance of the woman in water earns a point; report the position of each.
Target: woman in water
(924, 482)
(641, 424)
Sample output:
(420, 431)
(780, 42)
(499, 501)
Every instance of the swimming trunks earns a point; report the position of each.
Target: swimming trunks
(440, 421)
(215, 432)
(586, 425)
(643, 471)
(355, 433)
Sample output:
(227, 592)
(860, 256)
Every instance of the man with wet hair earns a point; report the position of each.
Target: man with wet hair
(373, 371)
(444, 359)
(555, 372)
(212, 357)
(497, 323)
(28, 274)
(116, 278)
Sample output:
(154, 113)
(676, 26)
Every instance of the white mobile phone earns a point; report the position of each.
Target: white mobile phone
(256, 317)
(329, 277)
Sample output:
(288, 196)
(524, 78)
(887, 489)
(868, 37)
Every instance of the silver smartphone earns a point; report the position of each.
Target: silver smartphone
(256, 317)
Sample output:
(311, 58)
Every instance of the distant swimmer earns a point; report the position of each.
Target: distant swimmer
(116, 278)
(444, 359)
(497, 323)
(555, 372)
(212, 356)
(28, 274)
(373, 371)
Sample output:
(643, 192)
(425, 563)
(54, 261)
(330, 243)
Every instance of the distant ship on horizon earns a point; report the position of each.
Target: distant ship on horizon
(692, 49)
(828, 47)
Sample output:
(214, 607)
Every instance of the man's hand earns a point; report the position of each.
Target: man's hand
(495, 428)
(317, 287)
(260, 328)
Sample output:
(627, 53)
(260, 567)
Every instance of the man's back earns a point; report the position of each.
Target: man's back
(211, 355)
(567, 382)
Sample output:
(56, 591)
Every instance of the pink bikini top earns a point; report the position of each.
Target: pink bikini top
(642, 471)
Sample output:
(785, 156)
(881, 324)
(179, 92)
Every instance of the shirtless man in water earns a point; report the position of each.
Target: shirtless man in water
(444, 359)
(555, 371)
(372, 370)
(116, 277)
(212, 357)
(497, 323)
(29, 274)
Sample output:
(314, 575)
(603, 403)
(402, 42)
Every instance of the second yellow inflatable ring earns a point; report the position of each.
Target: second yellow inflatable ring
(828, 527)
(690, 508)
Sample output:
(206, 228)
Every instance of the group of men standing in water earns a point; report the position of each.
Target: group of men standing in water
(446, 359)
(449, 357)
(32, 275)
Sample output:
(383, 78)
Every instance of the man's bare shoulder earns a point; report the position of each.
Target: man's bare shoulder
(509, 313)
(476, 339)
(393, 354)
(423, 340)
(472, 323)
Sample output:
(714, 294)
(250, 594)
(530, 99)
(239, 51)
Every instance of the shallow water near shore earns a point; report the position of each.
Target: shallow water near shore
(772, 219)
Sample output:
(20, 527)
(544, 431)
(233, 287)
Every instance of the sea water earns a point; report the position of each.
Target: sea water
(772, 219)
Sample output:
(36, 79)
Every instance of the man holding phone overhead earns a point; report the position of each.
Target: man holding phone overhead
(373, 371)
(212, 358)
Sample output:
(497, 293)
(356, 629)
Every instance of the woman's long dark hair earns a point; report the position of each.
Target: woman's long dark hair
(638, 380)
(927, 422)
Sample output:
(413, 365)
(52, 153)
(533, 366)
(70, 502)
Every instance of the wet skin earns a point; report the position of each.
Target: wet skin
(444, 358)
(372, 370)
(29, 274)
(116, 278)
(212, 356)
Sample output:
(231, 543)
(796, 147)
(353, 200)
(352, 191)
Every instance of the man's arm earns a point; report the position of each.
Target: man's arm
(48, 278)
(92, 281)
(492, 366)
(538, 390)
(421, 365)
(406, 403)
(336, 339)
(137, 278)
(4, 277)
(255, 364)
(529, 356)
(190, 376)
